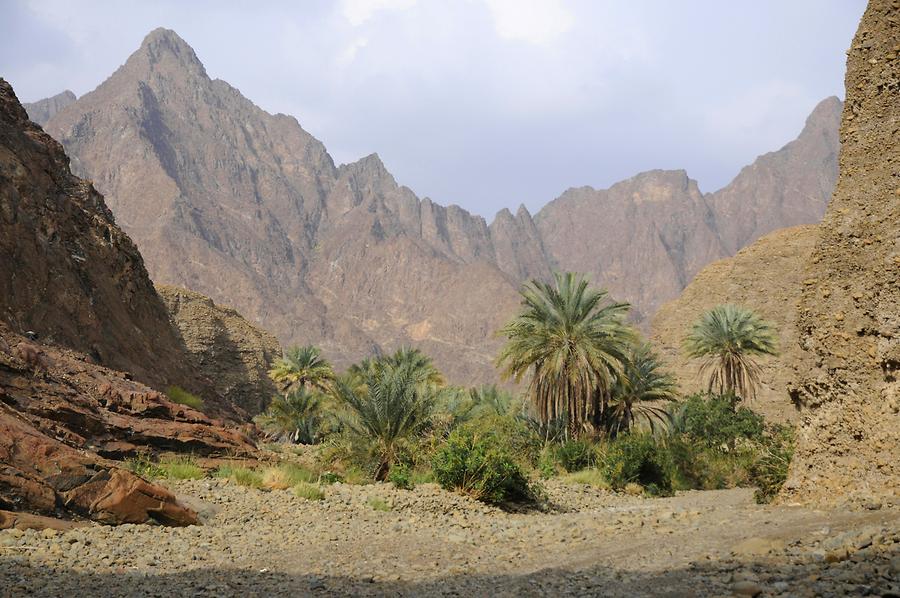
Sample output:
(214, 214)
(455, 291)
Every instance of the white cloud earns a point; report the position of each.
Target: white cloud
(533, 21)
(358, 12)
(348, 54)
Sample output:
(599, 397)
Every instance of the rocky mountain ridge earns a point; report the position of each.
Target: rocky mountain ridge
(249, 209)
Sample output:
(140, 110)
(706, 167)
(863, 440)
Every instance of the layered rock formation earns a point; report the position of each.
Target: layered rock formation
(42, 110)
(249, 209)
(70, 277)
(226, 348)
(766, 277)
(849, 317)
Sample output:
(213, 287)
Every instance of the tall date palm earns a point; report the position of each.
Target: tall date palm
(302, 367)
(572, 341)
(726, 340)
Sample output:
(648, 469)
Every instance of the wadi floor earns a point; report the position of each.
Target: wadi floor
(431, 542)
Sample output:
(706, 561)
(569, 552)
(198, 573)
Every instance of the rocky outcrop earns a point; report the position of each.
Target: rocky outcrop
(62, 417)
(74, 283)
(43, 110)
(226, 348)
(68, 273)
(766, 277)
(249, 209)
(849, 316)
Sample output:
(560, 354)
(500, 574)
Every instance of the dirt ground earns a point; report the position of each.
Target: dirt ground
(377, 540)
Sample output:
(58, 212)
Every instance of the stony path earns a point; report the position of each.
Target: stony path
(435, 543)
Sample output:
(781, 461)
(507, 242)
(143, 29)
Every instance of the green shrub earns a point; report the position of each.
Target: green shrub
(547, 464)
(308, 491)
(242, 476)
(330, 477)
(172, 468)
(713, 421)
(378, 504)
(179, 395)
(401, 477)
(698, 466)
(638, 458)
(574, 455)
(181, 468)
(143, 466)
(514, 433)
(480, 466)
(769, 472)
(588, 477)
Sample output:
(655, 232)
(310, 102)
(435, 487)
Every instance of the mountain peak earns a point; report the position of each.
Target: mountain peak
(165, 46)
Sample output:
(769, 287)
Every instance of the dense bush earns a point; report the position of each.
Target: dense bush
(769, 472)
(401, 477)
(638, 458)
(575, 454)
(712, 421)
(481, 466)
(700, 467)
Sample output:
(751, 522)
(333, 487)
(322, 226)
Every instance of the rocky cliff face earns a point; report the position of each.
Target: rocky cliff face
(73, 279)
(249, 209)
(849, 316)
(67, 272)
(41, 111)
(233, 353)
(766, 277)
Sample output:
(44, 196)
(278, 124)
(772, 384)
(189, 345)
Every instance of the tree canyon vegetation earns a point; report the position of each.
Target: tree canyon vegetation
(308, 380)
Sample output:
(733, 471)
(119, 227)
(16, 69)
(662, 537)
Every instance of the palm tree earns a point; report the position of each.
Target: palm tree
(302, 367)
(490, 400)
(390, 406)
(638, 395)
(294, 416)
(726, 339)
(419, 364)
(573, 343)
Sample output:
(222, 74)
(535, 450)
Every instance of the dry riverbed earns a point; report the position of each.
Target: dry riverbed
(431, 542)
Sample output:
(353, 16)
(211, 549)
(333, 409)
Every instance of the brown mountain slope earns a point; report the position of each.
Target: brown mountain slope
(785, 188)
(643, 238)
(71, 276)
(849, 318)
(767, 277)
(234, 354)
(67, 272)
(646, 238)
(249, 209)
(41, 111)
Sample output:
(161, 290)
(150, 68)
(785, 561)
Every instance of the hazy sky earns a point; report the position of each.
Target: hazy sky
(483, 103)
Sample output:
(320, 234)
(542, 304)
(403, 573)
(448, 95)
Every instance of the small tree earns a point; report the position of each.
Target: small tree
(390, 404)
(726, 339)
(295, 417)
(302, 367)
(640, 395)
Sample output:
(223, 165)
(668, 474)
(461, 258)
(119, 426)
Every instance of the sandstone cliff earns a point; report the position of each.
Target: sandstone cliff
(849, 316)
(226, 348)
(766, 277)
(249, 209)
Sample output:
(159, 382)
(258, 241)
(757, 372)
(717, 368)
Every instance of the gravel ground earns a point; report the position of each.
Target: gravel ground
(431, 542)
